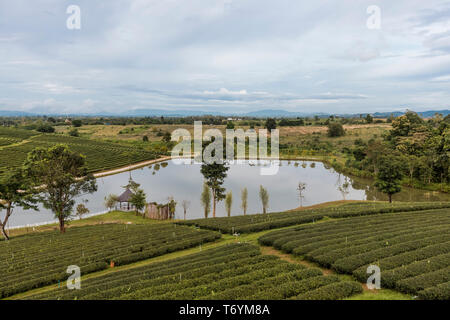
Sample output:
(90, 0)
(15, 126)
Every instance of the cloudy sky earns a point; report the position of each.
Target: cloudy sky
(224, 55)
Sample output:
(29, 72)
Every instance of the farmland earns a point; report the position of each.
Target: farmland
(327, 259)
(39, 259)
(411, 249)
(211, 275)
(100, 155)
(259, 222)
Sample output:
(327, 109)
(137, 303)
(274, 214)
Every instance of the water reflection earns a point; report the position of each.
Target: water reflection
(184, 182)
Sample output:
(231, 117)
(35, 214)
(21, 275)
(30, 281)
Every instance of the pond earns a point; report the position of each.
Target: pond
(184, 182)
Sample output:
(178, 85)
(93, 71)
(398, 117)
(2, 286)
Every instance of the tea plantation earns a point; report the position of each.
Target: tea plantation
(100, 155)
(235, 271)
(39, 259)
(260, 222)
(411, 249)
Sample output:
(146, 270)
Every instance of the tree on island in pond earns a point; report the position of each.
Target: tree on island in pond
(228, 203)
(206, 199)
(14, 192)
(389, 176)
(61, 176)
(264, 196)
(244, 198)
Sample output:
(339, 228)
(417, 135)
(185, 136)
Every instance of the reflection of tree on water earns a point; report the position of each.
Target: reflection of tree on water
(344, 188)
(407, 194)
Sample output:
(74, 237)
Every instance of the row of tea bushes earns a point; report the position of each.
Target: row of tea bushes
(39, 259)
(232, 271)
(260, 222)
(411, 249)
(100, 155)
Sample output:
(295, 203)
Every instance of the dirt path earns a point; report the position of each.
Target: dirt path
(130, 167)
(289, 258)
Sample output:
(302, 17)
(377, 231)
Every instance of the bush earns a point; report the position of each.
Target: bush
(335, 129)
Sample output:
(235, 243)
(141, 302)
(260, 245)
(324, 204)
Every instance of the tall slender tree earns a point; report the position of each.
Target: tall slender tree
(244, 198)
(264, 196)
(206, 199)
(228, 203)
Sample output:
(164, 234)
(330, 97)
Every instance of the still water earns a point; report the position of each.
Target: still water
(184, 182)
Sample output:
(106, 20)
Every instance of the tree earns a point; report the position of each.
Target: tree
(271, 124)
(111, 201)
(214, 174)
(230, 125)
(369, 118)
(228, 203)
(81, 210)
(264, 196)
(244, 198)
(335, 129)
(172, 206)
(185, 204)
(77, 123)
(167, 137)
(60, 175)
(45, 128)
(14, 193)
(389, 176)
(138, 200)
(74, 133)
(206, 199)
(301, 188)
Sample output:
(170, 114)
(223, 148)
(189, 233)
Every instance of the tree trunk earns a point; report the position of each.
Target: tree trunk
(62, 228)
(3, 224)
(184, 214)
(5, 235)
(390, 198)
(214, 204)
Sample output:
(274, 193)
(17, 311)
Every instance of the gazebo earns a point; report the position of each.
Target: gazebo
(125, 198)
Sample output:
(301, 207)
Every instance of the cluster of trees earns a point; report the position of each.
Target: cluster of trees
(419, 149)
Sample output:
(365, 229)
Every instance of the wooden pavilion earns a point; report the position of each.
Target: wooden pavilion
(125, 198)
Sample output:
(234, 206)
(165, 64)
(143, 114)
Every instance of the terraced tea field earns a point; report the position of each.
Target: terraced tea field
(39, 259)
(230, 272)
(260, 222)
(412, 249)
(100, 155)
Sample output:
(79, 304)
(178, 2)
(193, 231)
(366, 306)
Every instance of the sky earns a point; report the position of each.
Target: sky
(340, 56)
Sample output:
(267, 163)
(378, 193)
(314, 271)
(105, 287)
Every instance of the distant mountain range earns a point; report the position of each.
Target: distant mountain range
(266, 113)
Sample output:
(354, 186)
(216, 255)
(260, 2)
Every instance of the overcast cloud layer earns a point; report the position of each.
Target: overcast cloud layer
(224, 55)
